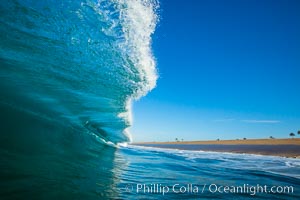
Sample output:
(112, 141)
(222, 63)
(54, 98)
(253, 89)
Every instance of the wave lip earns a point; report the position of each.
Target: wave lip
(138, 20)
(86, 61)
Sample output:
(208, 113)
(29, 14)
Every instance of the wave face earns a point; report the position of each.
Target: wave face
(79, 63)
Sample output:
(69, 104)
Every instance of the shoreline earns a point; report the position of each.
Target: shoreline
(284, 141)
(289, 148)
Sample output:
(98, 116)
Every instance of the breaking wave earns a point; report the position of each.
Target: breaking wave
(80, 63)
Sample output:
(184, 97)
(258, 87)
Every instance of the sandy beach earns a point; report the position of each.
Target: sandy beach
(276, 147)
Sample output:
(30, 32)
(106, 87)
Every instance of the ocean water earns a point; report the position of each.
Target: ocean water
(69, 73)
(189, 174)
(78, 63)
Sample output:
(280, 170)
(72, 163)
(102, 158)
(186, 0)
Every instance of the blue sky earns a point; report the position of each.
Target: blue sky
(228, 69)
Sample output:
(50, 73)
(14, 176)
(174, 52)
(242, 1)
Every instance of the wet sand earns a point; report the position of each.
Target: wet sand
(274, 147)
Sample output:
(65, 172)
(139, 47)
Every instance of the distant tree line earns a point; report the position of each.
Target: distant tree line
(271, 137)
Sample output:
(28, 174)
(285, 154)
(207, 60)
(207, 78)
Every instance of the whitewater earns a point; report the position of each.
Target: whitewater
(70, 72)
(86, 61)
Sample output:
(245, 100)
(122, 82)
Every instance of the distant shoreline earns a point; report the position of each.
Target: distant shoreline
(286, 141)
(273, 147)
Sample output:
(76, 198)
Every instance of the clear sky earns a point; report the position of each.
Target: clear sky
(228, 69)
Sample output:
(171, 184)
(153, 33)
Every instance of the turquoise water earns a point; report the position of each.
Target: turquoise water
(78, 62)
(69, 73)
